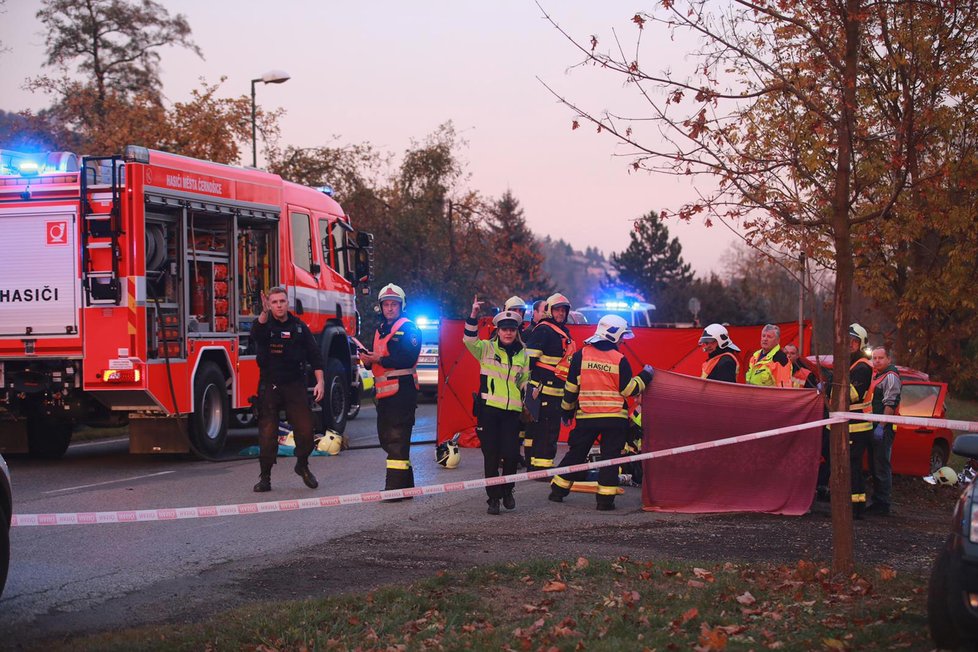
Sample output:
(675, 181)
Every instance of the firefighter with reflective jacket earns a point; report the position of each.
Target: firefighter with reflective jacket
(769, 365)
(549, 347)
(504, 371)
(394, 362)
(284, 346)
(721, 362)
(599, 381)
(860, 379)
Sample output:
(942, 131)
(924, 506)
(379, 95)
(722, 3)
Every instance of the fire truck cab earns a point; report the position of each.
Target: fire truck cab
(129, 285)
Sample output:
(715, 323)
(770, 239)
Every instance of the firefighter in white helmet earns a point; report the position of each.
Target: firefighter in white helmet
(549, 347)
(599, 381)
(503, 374)
(721, 359)
(394, 362)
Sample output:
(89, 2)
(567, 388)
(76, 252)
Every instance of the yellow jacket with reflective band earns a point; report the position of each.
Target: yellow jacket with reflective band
(387, 381)
(860, 401)
(505, 376)
(767, 372)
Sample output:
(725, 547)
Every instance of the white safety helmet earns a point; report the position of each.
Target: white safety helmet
(331, 443)
(507, 319)
(718, 333)
(611, 328)
(448, 454)
(556, 300)
(857, 332)
(391, 292)
(514, 303)
(946, 475)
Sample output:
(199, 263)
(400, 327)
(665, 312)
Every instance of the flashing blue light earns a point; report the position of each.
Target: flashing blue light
(28, 167)
(636, 306)
(616, 305)
(426, 322)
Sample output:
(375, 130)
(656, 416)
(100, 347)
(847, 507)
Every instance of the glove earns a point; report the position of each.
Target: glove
(878, 432)
(567, 417)
(649, 370)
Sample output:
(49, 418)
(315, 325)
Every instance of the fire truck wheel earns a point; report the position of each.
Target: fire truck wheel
(47, 436)
(209, 422)
(336, 401)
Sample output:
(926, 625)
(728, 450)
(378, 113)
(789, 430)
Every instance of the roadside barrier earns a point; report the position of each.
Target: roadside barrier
(243, 509)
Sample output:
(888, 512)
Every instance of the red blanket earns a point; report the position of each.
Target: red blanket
(775, 475)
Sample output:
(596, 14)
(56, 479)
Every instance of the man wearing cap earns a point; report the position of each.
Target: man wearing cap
(599, 381)
(769, 365)
(549, 347)
(394, 362)
(721, 362)
(504, 371)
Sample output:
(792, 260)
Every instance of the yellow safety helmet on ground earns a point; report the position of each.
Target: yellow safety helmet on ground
(447, 453)
(331, 443)
(391, 292)
(556, 300)
(946, 475)
(515, 303)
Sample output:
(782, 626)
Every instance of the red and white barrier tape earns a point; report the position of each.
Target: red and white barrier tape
(176, 513)
(926, 422)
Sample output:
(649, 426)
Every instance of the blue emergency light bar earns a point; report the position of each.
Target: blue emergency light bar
(32, 164)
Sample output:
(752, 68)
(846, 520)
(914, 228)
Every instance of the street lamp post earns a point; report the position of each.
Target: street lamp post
(270, 77)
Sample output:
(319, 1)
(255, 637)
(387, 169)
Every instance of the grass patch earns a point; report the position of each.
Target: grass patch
(593, 605)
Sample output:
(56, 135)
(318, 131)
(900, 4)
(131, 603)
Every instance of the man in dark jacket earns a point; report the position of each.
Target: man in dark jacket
(284, 345)
(549, 347)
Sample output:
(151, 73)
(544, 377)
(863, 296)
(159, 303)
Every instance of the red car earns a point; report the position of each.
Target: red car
(916, 450)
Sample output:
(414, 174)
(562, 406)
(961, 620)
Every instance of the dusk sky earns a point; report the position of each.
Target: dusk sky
(390, 72)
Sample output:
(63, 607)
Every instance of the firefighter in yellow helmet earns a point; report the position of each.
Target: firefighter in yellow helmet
(860, 432)
(599, 381)
(394, 362)
(549, 347)
(504, 371)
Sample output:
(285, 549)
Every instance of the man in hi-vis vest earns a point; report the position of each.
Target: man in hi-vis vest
(599, 380)
(394, 362)
(769, 365)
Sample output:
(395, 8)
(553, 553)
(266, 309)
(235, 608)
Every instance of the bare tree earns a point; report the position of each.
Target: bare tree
(775, 118)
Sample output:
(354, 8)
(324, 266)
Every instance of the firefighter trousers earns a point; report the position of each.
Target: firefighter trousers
(581, 439)
(858, 444)
(395, 421)
(499, 432)
(545, 432)
(272, 398)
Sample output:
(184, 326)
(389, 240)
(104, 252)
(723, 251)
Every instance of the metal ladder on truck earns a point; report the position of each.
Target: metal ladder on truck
(101, 231)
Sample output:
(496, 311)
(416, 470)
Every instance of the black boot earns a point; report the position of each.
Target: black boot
(508, 501)
(493, 506)
(264, 476)
(605, 503)
(302, 469)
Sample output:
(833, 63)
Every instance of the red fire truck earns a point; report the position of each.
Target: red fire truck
(129, 284)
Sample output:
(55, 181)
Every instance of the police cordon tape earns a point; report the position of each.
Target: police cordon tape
(242, 509)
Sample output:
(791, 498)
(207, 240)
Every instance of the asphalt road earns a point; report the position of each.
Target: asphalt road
(60, 575)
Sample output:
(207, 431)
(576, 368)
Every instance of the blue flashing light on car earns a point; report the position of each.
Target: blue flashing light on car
(28, 168)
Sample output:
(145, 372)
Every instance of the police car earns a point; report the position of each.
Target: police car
(636, 313)
(428, 359)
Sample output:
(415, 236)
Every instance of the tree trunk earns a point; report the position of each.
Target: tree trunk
(841, 483)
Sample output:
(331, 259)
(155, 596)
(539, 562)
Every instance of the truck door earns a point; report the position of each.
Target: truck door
(303, 283)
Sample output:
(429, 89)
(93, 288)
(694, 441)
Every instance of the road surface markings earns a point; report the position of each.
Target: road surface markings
(102, 484)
